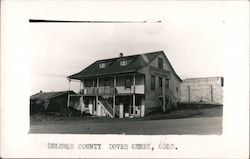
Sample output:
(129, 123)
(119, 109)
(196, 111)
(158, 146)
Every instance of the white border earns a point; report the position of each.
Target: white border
(15, 84)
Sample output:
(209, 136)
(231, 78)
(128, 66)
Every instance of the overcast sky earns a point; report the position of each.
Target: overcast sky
(192, 35)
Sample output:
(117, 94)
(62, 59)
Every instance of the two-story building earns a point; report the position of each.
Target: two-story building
(127, 86)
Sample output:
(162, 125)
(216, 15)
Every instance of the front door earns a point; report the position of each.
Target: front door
(126, 109)
(126, 100)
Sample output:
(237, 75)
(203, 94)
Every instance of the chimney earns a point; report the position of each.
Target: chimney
(121, 54)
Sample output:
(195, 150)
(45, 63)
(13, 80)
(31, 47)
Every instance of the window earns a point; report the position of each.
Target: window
(102, 65)
(160, 63)
(138, 101)
(87, 83)
(107, 82)
(128, 83)
(160, 82)
(167, 83)
(86, 103)
(177, 89)
(123, 63)
(152, 82)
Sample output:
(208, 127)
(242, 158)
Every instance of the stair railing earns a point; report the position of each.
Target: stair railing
(106, 105)
(171, 99)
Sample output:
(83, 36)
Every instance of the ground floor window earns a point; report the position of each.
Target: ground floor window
(138, 100)
(86, 103)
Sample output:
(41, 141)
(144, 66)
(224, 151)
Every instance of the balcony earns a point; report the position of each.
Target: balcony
(138, 89)
(107, 90)
(99, 90)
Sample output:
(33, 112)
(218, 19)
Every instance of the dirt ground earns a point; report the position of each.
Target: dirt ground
(184, 121)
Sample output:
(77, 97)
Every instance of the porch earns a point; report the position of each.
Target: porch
(120, 106)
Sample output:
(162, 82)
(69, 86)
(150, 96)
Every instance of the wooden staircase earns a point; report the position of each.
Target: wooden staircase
(108, 107)
(170, 100)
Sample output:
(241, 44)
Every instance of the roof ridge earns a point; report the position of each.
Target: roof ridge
(129, 56)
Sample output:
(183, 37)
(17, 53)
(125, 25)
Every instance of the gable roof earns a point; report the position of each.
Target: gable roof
(49, 95)
(135, 63)
(172, 68)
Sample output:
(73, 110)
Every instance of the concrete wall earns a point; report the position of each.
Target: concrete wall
(209, 90)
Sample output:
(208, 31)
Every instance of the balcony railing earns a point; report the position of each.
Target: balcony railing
(99, 90)
(111, 90)
(106, 90)
(91, 90)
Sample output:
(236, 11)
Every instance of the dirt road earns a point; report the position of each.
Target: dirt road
(201, 126)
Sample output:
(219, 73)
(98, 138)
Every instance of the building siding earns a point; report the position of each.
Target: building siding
(174, 81)
(151, 97)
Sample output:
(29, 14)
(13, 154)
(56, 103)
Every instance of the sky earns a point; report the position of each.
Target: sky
(193, 36)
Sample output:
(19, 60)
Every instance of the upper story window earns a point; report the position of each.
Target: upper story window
(152, 82)
(127, 83)
(160, 63)
(123, 63)
(102, 65)
(107, 82)
(87, 83)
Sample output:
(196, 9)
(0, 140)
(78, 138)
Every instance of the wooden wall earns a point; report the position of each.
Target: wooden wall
(151, 98)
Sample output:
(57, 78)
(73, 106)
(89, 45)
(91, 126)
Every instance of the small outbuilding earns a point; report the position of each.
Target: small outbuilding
(54, 103)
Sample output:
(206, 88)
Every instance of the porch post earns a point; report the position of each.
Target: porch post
(82, 103)
(68, 100)
(134, 95)
(96, 99)
(114, 106)
(69, 83)
(164, 94)
(83, 86)
(95, 105)
(68, 93)
(114, 97)
(80, 86)
(97, 85)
